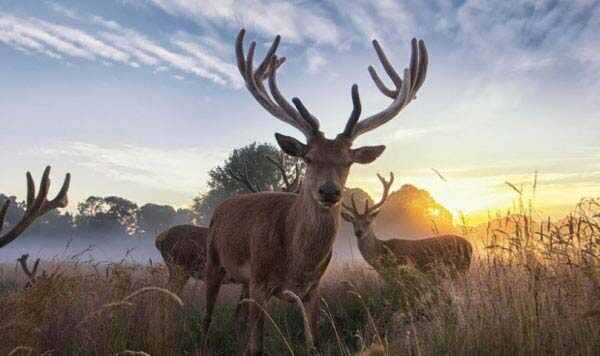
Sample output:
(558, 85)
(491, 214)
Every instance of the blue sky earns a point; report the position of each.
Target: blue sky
(140, 98)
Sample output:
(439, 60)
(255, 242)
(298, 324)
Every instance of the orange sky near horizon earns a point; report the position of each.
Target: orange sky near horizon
(479, 199)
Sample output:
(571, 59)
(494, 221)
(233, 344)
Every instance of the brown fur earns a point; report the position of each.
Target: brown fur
(450, 252)
(183, 248)
(275, 241)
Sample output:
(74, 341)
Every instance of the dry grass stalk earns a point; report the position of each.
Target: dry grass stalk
(21, 350)
(273, 322)
(308, 333)
(174, 297)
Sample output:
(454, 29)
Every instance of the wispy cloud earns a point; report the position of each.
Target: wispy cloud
(193, 47)
(315, 60)
(31, 35)
(164, 169)
(295, 21)
(111, 42)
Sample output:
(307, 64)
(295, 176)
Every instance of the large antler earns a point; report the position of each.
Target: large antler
(369, 210)
(405, 89)
(36, 205)
(274, 102)
(289, 186)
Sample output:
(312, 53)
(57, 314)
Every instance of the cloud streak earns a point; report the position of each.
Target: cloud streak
(111, 42)
(164, 169)
(297, 22)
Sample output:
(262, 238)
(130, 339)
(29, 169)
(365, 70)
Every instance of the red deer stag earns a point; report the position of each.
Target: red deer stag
(36, 206)
(280, 243)
(450, 251)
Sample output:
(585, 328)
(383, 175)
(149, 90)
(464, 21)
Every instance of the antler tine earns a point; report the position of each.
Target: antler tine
(30, 190)
(254, 83)
(386, 190)
(36, 205)
(389, 69)
(380, 85)
(61, 200)
(405, 88)
(424, 63)
(356, 111)
(42, 196)
(300, 113)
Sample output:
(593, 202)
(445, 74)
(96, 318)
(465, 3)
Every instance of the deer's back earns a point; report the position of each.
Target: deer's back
(449, 250)
(184, 246)
(251, 225)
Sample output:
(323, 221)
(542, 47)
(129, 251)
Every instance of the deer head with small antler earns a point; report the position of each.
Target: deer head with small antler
(362, 221)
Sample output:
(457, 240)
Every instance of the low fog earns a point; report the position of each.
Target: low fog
(121, 250)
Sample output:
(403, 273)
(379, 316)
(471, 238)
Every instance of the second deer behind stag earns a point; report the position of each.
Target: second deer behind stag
(450, 252)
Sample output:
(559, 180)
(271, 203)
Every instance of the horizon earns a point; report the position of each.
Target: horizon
(140, 99)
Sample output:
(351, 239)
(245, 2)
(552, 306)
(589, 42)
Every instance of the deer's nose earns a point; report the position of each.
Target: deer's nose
(330, 192)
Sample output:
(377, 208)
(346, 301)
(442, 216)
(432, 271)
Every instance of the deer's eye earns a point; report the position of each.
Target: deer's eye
(307, 160)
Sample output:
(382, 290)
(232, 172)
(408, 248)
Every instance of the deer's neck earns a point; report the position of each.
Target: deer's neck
(313, 233)
(370, 247)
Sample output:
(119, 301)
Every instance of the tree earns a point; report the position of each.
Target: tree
(153, 218)
(248, 162)
(53, 223)
(15, 214)
(412, 212)
(183, 216)
(109, 215)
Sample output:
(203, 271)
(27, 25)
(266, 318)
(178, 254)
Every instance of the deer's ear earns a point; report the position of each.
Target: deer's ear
(367, 154)
(347, 217)
(291, 146)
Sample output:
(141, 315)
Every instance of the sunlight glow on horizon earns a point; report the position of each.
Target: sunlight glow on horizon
(478, 200)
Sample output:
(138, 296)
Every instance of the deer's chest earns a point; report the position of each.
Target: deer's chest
(305, 279)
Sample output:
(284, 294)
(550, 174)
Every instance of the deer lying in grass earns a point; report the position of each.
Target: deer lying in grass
(36, 206)
(449, 251)
(280, 244)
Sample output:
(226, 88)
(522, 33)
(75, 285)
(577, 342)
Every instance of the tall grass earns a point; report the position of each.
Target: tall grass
(533, 288)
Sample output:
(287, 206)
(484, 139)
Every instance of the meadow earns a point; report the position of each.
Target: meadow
(533, 288)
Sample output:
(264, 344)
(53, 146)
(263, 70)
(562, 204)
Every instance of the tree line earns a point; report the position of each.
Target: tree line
(248, 168)
(117, 217)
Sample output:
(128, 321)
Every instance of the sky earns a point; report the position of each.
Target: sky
(141, 98)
